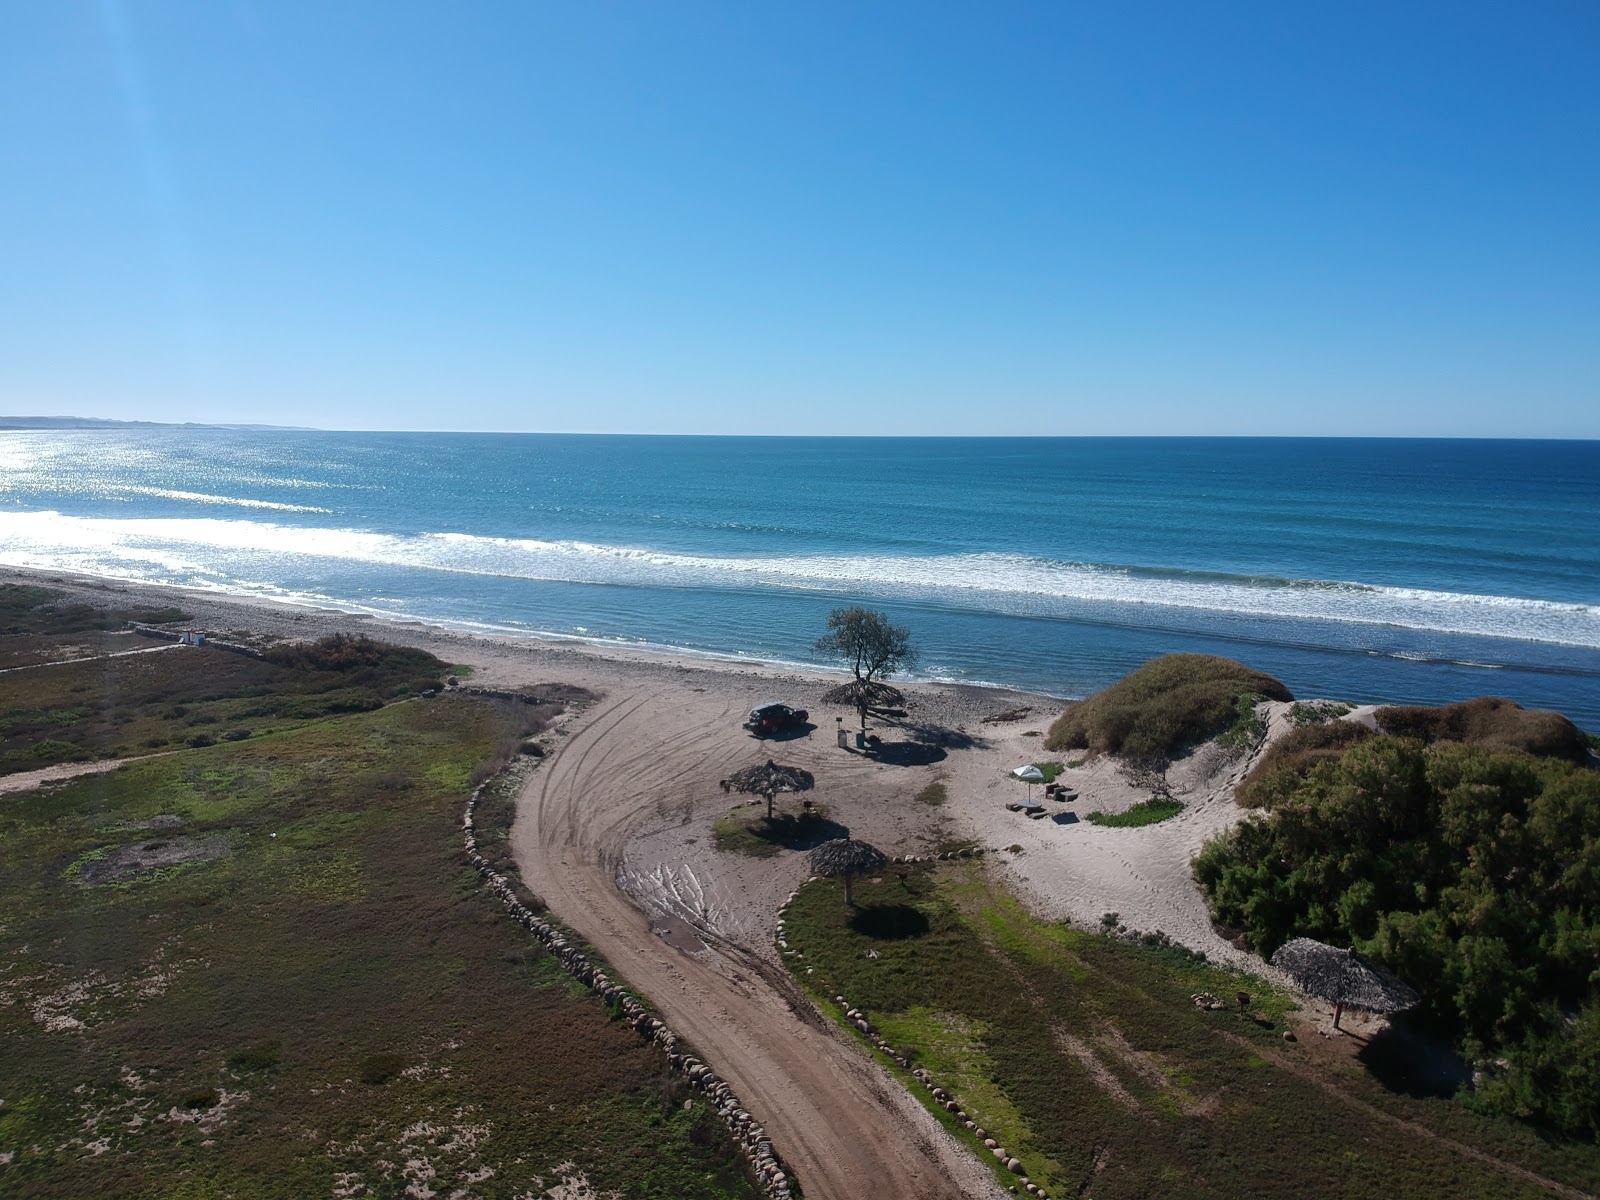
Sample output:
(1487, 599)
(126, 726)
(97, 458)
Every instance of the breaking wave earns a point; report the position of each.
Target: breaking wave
(161, 548)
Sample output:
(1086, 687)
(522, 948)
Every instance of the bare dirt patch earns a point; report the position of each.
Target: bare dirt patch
(133, 859)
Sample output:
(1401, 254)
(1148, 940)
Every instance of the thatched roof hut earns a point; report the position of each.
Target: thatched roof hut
(1349, 979)
(768, 780)
(846, 857)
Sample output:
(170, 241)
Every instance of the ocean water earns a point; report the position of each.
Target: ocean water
(1394, 570)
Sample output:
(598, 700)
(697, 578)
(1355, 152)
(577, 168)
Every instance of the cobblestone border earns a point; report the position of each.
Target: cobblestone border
(858, 1019)
(776, 1181)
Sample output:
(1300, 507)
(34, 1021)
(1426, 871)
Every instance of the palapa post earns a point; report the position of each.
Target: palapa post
(846, 857)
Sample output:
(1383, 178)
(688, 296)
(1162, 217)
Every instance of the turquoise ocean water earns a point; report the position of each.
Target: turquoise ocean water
(1395, 570)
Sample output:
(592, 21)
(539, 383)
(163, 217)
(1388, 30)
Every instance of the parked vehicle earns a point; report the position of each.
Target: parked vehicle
(768, 719)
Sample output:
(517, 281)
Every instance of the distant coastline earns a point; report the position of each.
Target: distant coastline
(15, 424)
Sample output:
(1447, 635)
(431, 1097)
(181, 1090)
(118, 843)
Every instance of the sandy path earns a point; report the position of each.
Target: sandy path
(845, 1126)
(26, 781)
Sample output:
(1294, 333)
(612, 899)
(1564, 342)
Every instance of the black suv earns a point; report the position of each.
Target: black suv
(768, 719)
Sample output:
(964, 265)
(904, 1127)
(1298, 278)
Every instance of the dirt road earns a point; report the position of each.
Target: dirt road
(845, 1127)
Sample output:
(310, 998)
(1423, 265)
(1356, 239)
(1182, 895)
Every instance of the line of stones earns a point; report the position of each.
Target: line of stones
(878, 1042)
(751, 1138)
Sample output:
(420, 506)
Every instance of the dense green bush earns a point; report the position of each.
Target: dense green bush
(1473, 874)
(1167, 705)
(1295, 753)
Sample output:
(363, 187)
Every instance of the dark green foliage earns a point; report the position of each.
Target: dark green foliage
(1492, 722)
(1473, 875)
(1166, 706)
(1295, 753)
(1146, 812)
(261, 1056)
(377, 1069)
(201, 1097)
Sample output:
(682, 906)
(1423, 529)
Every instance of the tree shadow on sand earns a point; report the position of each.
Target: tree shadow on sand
(890, 922)
(908, 754)
(928, 733)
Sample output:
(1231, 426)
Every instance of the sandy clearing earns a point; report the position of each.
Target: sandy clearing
(844, 1125)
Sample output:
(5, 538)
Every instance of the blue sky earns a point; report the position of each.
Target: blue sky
(1363, 218)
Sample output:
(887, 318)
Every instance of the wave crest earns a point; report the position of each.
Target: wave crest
(1008, 583)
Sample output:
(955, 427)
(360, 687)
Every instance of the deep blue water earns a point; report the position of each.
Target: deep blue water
(1399, 570)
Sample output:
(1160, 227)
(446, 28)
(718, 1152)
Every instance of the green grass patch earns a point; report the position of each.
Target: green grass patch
(1083, 1054)
(760, 837)
(935, 794)
(1146, 812)
(1050, 770)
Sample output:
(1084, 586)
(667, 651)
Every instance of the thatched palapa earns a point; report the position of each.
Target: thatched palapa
(768, 781)
(846, 857)
(1349, 979)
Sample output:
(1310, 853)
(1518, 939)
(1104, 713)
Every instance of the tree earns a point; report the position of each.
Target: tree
(871, 647)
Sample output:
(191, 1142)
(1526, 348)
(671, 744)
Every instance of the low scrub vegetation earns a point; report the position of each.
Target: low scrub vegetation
(334, 1006)
(1315, 712)
(27, 609)
(1473, 873)
(121, 705)
(1166, 706)
(1084, 1056)
(1492, 722)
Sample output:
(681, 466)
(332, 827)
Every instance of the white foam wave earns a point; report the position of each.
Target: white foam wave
(207, 498)
(1009, 583)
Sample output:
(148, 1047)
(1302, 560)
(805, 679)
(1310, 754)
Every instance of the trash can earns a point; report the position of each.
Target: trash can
(861, 741)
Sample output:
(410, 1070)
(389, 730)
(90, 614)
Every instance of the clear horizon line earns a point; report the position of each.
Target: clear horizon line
(100, 424)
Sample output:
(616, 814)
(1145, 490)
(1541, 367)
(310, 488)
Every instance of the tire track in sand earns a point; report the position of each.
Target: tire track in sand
(847, 1128)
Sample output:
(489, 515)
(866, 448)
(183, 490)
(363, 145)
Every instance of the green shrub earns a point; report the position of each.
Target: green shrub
(378, 1069)
(1246, 727)
(52, 748)
(1166, 706)
(201, 1097)
(258, 1057)
(1295, 753)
